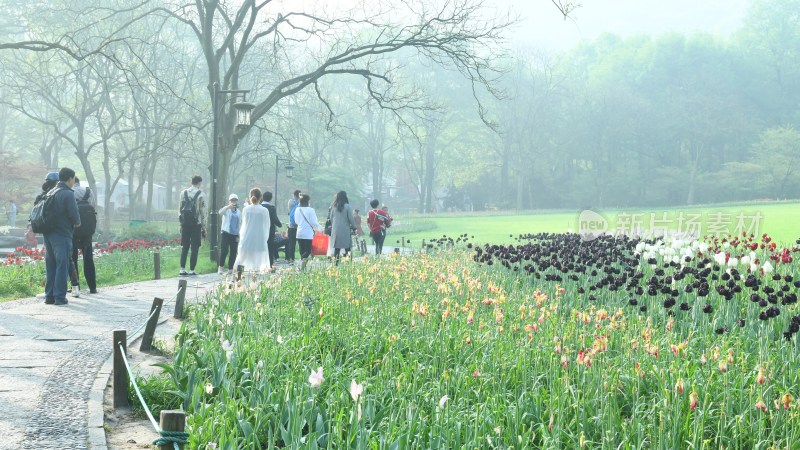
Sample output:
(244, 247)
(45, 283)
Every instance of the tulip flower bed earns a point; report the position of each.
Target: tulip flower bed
(587, 348)
(22, 273)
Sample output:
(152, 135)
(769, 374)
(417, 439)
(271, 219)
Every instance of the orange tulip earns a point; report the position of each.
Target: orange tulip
(761, 378)
(787, 400)
(679, 386)
(693, 401)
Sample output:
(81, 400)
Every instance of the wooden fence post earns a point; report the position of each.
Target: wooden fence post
(150, 329)
(172, 420)
(120, 381)
(178, 314)
(157, 265)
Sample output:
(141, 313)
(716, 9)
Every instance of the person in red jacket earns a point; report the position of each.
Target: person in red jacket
(378, 221)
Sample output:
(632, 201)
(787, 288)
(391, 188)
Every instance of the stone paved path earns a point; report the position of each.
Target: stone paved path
(50, 356)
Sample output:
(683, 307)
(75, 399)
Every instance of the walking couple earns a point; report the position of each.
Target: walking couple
(249, 235)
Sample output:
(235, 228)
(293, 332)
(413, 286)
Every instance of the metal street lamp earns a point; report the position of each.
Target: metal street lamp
(289, 174)
(243, 114)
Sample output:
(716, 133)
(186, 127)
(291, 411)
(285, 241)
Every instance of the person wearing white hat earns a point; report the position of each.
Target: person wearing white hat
(231, 221)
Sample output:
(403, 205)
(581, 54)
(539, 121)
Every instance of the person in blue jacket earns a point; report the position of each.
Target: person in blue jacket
(58, 241)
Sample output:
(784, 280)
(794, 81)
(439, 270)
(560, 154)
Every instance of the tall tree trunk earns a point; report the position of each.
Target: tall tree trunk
(504, 172)
(148, 212)
(131, 193)
(170, 182)
(429, 173)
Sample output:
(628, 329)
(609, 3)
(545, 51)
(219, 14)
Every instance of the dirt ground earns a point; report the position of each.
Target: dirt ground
(124, 431)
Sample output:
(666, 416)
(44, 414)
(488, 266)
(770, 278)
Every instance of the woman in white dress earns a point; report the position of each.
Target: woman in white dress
(253, 253)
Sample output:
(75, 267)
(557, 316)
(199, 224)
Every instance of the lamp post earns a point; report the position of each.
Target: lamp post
(243, 113)
(289, 174)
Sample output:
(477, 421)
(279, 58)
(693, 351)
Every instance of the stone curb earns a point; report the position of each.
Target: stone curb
(96, 422)
(96, 403)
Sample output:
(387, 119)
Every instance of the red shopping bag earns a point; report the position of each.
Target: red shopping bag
(319, 245)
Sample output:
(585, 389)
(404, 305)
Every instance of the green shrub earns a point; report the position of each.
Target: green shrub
(157, 394)
(403, 227)
(149, 232)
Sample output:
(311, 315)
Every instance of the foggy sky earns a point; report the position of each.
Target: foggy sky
(544, 27)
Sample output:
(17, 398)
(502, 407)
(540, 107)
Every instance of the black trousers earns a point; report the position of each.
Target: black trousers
(190, 238)
(290, 244)
(379, 237)
(273, 251)
(89, 274)
(228, 242)
(305, 248)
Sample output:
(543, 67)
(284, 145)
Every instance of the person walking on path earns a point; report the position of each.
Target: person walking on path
(342, 225)
(58, 240)
(50, 182)
(11, 214)
(274, 222)
(253, 254)
(229, 241)
(357, 220)
(192, 213)
(292, 227)
(378, 221)
(328, 228)
(82, 239)
(306, 224)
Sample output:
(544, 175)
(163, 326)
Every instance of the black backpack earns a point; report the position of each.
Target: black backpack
(188, 212)
(42, 212)
(88, 217)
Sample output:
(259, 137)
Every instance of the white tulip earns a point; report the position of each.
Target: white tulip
(719, 258)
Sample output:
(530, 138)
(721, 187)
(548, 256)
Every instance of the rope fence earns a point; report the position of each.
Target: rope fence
(171, 425)
(175, 420)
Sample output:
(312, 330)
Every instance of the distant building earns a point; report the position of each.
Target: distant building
(120, 199)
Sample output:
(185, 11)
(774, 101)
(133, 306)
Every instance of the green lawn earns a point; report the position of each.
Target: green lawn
(781, 220)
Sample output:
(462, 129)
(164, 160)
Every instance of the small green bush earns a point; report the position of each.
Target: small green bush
(157, 393)
(404, 227)
(148, 232)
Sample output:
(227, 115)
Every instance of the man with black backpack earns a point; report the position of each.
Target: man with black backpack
(192, 215)
(82, 238)
(60, 219)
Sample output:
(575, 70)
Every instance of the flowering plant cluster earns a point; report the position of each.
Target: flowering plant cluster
(135, 245)
(22, 273)
(554, 343)
(20, 256)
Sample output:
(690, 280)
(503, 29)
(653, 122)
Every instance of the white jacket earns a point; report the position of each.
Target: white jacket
(226, 214)
(307, 222)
